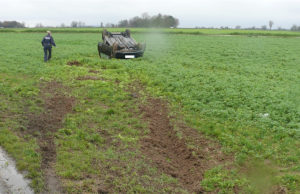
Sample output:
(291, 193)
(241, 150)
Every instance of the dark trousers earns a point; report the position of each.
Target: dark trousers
(47, 53)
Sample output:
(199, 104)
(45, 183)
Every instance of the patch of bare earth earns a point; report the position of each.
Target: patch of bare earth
(279, 190)
(89, 77)
(74, 63)
(43, 125)
(94, 71)
(183, 153)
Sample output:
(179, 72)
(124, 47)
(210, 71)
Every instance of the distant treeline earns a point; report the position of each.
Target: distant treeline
(11, 24)
(145, 21)
(295, 28)
(242, 32)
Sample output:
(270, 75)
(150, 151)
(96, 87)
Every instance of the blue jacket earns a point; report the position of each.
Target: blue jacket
(48, 41)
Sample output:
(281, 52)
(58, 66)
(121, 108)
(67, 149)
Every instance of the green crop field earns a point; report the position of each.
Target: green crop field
(232, 102)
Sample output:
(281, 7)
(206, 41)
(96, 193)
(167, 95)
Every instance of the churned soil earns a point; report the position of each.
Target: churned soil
(89, 77)
(74, 63)
(171, 146)
(43, 125)
(93, 71)
(170, 151)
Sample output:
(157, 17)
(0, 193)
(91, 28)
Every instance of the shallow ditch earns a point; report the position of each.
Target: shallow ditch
(11, 181)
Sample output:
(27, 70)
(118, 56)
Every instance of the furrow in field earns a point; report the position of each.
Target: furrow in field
(175, 155)
(45, 124)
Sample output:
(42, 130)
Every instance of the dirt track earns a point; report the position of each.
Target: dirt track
(44, 125)
(168, 151)
(171, 154)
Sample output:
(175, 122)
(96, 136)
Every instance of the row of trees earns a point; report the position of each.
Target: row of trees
(77, 24)
(74, 24)
(295, 28)
(263, 27)
(12, 24)
(162, 21)
(145, 20)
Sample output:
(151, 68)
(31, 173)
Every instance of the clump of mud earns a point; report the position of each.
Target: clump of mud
(43, 125)
(89, 77)
(93, 71)
(74, 63)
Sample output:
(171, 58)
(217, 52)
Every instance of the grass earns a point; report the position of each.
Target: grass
(242, 91)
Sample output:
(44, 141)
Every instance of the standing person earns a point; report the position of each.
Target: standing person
(47, 43)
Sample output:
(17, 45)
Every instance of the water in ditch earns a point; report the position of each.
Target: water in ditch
(11, 181)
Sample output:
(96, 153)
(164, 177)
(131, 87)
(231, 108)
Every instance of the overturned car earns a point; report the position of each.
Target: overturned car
(120, 45)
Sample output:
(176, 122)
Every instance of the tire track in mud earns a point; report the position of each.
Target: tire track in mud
(171, 154)
(44, 125)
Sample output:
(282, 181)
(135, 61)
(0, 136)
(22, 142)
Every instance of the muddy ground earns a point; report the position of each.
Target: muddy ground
(171, 146)
(74, 63)
(169, 149)
(43, 125)
(174, 148)
(89, 77)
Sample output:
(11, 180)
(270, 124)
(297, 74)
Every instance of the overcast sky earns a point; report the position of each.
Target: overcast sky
(190, 13)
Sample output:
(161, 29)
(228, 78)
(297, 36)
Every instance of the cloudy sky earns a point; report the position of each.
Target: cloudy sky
(191, 13)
